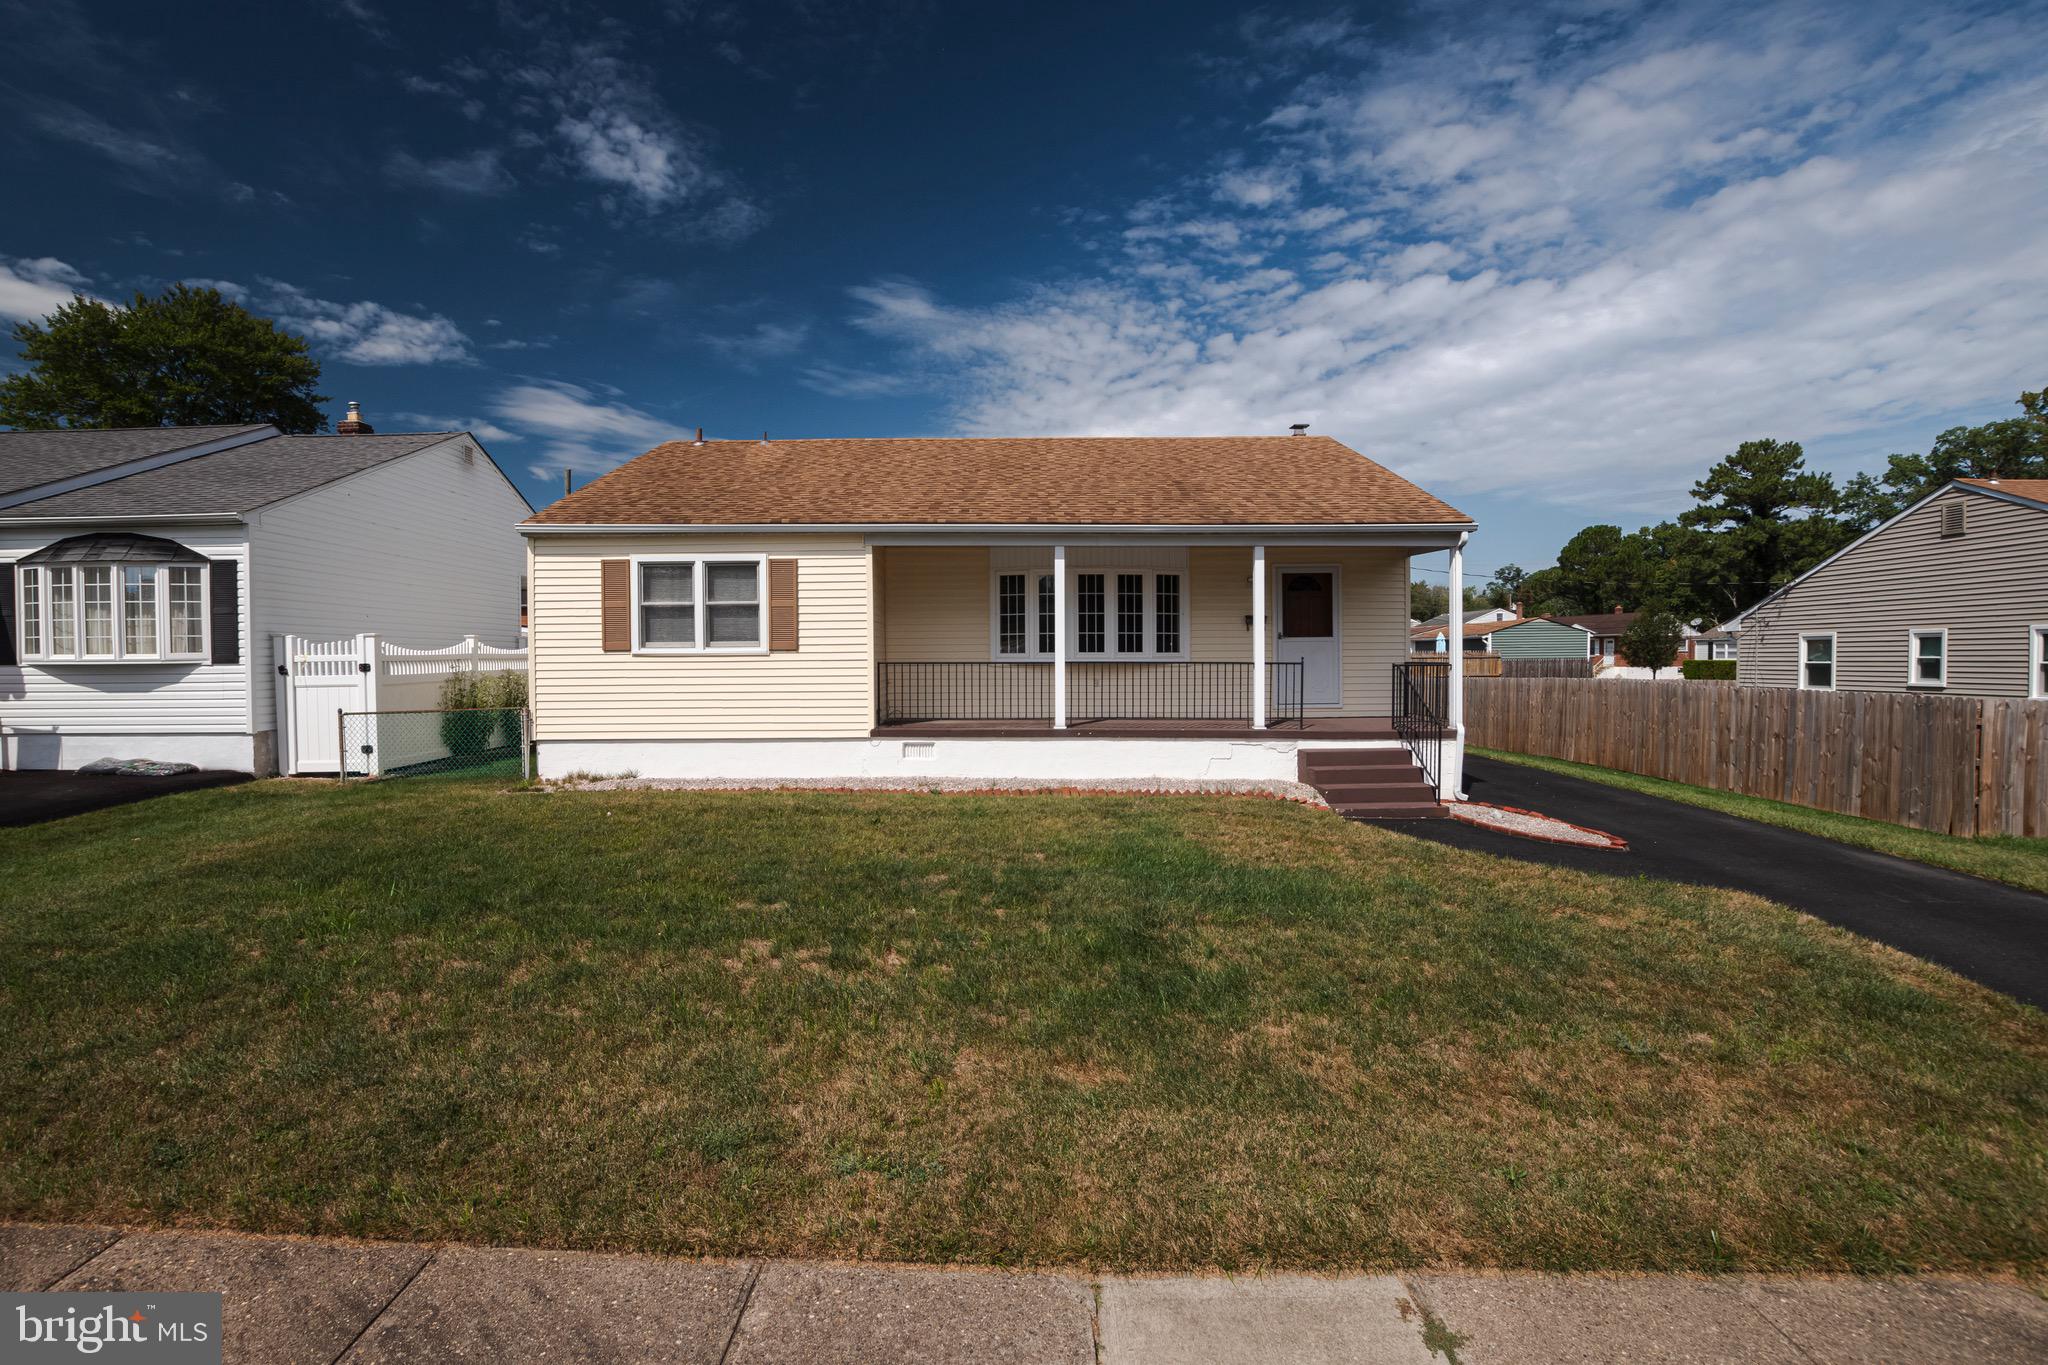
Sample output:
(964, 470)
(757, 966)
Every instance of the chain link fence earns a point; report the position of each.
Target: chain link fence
(479, 741)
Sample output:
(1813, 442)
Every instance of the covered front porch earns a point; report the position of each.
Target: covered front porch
(1210, 638)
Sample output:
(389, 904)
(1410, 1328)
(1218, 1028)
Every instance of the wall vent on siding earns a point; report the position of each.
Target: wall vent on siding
(1954, 518)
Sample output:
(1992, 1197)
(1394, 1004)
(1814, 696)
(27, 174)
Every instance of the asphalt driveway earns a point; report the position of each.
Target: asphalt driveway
(29, 798)
(1987, 931)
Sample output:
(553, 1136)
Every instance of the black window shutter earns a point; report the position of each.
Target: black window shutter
(8, 642)
(224, 607)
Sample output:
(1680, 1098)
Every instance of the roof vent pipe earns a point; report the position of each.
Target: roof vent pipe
(700, 436)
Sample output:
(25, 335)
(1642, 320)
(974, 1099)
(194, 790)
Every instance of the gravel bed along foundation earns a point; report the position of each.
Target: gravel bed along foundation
(1143, 786)
(1529, 825)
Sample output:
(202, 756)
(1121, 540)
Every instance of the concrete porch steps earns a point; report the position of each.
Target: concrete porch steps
(1370, 784)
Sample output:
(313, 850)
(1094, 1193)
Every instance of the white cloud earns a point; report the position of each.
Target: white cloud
(1573, 270)
(612, 127)
(32, 288)
(478, 172)
(762, 341)
(427, 421)
(361, 333)
(583, 432)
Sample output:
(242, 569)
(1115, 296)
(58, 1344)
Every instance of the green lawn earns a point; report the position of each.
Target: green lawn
(2022, 862)
(1115, 1032)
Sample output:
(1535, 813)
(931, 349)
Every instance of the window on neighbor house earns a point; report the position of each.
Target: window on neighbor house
(699, 604)
(2039, 670)
(103, 613)
(1928, 666)
(1817, 662)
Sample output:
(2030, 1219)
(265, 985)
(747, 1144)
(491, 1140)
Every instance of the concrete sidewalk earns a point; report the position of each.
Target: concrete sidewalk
(301, 1300)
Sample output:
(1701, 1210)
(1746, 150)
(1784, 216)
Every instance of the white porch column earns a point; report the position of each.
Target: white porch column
(1258, 637)
(1453, 776)
(1059, 637)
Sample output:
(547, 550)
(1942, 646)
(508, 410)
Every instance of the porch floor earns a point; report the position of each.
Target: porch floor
(1313, 728)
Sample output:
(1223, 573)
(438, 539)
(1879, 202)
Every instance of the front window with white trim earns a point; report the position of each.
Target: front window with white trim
(1115, 614)
(1927, 665)
(699, 604)
(1817, 662)
(106, 613)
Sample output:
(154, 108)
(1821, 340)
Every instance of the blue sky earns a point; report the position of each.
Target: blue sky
(1548, 260)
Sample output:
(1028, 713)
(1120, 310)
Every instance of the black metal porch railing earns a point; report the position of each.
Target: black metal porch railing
(1124, 690)
(1422, 710)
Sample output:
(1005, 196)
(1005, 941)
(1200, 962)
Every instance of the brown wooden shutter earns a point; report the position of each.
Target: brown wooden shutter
(617, 609)
(782, 612)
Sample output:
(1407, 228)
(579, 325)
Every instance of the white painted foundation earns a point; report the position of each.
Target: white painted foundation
(65, 752)
(1077, 760)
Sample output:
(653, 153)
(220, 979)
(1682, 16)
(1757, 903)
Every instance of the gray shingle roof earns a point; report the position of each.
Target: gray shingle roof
(28, 458)
(240, 479)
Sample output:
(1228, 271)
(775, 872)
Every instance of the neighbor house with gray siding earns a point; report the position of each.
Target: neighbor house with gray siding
(145, 572)
(1950, 596)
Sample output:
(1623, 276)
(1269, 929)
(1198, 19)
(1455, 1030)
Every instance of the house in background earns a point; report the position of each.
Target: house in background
(1478, 616)
(1056, 608)
(143, 573)
(1950, 596)
(1538, 637)
(1606, 630)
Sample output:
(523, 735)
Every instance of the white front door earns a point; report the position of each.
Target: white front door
(1305, 632)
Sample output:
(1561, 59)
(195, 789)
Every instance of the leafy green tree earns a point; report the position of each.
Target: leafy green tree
(1427, 599)
(2035, 405)
(1770, 519)
(1599, 569)
(1506, 588)
(2014, 448)
(1651, 640)
(187, 357)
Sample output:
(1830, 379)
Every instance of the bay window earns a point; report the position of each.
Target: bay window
(69, 613)
(1114, 614)
(699, 604)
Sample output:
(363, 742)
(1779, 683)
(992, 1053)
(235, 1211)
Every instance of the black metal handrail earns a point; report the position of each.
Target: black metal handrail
(1422, 710)
(1135, 689)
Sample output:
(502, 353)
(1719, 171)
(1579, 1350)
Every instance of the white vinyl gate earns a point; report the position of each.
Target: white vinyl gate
(317, 680)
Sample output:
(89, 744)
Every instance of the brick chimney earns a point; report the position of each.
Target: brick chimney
(353, 424)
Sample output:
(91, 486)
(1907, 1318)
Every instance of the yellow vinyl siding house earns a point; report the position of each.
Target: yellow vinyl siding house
(1083, 609)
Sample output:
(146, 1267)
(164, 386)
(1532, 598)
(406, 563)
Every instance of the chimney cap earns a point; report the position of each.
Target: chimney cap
(353, 424)
(1299, 429)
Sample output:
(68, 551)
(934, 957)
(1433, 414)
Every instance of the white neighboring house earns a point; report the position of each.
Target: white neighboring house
(144, 571)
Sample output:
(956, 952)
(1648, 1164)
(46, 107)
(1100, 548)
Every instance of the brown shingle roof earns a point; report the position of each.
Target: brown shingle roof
(1060, 480)
(2034, 490)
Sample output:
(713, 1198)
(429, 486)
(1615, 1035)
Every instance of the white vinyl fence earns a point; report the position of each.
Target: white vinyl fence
(317, 680)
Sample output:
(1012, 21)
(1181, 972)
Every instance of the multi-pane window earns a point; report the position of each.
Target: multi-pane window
(1111, 614)
(97, 611)
(1010, 634)
(1130, 613)
(668, 606)
(2039, 663)
(1090, 613)
(74, 612)
(187, 601)
(699, 604)
(1930, 659)
(1817, 661)
(138, 611)
(1166, 613)
(735, 604)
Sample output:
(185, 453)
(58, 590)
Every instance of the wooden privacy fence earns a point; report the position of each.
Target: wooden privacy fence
(1956, 765)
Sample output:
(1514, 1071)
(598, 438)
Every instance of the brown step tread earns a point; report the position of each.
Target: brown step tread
(1351, 793)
